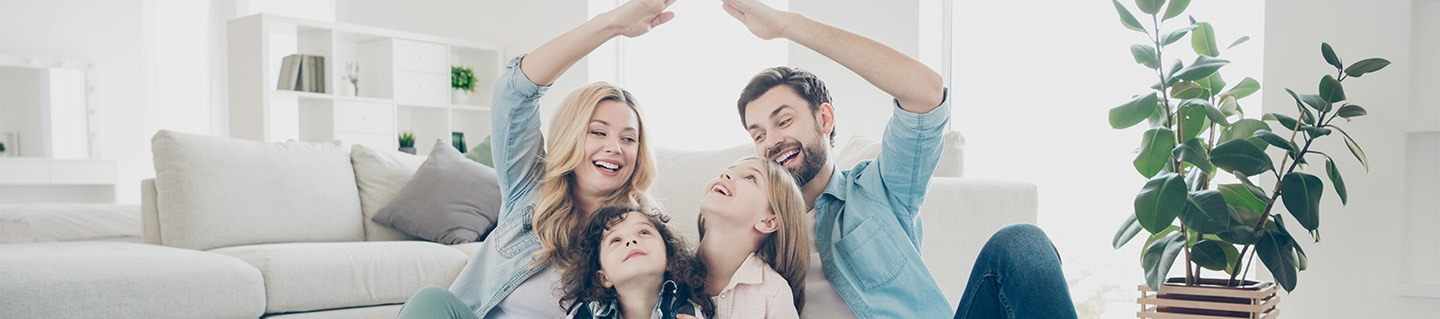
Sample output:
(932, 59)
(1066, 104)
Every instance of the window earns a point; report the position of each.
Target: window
(1032, 83)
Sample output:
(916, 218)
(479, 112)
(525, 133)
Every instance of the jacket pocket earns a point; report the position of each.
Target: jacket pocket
(871, 255)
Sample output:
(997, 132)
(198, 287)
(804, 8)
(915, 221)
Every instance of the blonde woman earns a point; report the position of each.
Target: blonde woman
(596, 156)
(754, 242)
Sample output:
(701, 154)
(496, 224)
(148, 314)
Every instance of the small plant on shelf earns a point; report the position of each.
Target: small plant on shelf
(407, 142)
(462, 79)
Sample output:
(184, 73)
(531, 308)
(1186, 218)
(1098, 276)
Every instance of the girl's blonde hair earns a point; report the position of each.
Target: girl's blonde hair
(555, 216)
(787, 250)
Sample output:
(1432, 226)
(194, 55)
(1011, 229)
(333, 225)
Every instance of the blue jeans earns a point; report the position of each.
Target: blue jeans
(1017, 275)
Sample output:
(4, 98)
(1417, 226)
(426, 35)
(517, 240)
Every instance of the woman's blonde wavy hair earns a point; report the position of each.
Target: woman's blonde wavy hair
(556, 219)
(786, 250)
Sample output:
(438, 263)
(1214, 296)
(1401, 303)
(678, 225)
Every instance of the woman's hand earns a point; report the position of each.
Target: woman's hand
(637, 17)
(762, 20)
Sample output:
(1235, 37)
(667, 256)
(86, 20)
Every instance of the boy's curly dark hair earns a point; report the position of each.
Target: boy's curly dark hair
(578, 264)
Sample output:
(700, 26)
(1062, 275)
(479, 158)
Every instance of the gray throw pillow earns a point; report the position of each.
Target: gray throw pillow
(450, 200)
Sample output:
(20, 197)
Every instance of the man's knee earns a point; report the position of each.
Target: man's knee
(1025, 240)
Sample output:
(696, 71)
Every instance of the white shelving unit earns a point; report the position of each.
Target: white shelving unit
(404, 84)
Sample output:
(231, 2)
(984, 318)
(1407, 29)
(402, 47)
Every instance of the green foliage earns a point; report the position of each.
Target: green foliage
(407, 139)
(1196, 129)
(462, 79)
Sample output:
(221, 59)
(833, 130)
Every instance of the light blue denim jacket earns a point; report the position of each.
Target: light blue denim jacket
(868, 223)
(503, 261)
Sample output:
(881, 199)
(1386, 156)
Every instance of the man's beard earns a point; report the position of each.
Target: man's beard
(806, 171)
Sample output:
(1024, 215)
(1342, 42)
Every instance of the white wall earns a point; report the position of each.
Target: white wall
(1354, 271)
(106, 33)
(860, 108)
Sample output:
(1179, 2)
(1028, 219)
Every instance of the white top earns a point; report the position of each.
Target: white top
(537, 297)
(821, 298)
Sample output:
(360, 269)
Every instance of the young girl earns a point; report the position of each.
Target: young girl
(753, 241)
(628, 264)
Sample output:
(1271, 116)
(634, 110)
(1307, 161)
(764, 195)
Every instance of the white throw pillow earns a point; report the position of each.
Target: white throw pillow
(381, 175)
(216, 192)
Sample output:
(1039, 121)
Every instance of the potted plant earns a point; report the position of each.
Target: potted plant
(1192, 139)
(462, 80)
(407, 142)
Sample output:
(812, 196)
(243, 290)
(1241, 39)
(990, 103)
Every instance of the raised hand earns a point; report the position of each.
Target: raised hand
(762, 20)
(637, 17)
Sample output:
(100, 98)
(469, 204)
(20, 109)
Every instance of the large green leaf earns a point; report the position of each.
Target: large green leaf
(1212, 84)
(1330, 56)
(1316, 131)
(1155, 148)
(1277, 251)
(1313, 100)
(1159, 256)
(1242, 129)
(1259, 193)
(1150, 6)
(1354, 148)
(1276, 140)
(1202, 67)
(1175, 8)
(1203, 40)
(1127, 231)
(1194, 118)
(1186, 90)
(1242, 157)
(1336, 180)
(1160, 201)
(1214, 255)
(1206, 212)
(1286, 122)
(1238, 42)
(1145, 55)
(1350, 110)
(1229, 106)
(1175, 36)
(1245, 88)
(1301, 194)
(1127, 19)
(1242, 227)
(1366, 66)
(1330, 89)
(1133, 112)
(1175, 67)
(1195, 152)
(1237, 195)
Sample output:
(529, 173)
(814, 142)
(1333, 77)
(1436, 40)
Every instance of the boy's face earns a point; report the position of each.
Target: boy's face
(631, 249)
(786, 131)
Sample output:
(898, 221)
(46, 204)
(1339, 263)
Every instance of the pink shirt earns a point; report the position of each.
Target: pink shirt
(755, 291)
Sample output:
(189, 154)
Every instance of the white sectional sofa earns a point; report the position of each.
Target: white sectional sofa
(242, 229)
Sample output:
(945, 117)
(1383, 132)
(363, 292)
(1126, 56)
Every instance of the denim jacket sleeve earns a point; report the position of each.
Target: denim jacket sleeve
(909, 150)
(516, 143)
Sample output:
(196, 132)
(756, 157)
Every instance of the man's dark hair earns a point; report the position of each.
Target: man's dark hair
(803, 82)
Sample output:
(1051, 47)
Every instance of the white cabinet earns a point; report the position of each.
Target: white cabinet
(403, 80)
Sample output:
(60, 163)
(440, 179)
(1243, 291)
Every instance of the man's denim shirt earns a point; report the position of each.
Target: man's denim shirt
(504, 260)
(868, 224)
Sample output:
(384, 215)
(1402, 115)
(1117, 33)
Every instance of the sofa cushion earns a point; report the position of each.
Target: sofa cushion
(450, 200)
(217, 192)
(125, 280)
(314, 276)
(373, 312)
(859, 148)
(380, 175)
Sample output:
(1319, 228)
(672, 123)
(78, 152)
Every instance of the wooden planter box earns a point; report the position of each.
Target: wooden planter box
(1211, 299)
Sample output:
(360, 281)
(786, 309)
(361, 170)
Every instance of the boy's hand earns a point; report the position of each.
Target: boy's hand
(762, 20)
(637, 17)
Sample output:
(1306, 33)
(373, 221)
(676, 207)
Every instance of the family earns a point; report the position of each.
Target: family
(783, 234)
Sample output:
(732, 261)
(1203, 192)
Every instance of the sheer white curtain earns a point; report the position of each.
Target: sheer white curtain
(1032, 84)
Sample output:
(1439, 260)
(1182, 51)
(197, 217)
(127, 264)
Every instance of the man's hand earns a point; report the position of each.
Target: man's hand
(637, 17)
(762, 20)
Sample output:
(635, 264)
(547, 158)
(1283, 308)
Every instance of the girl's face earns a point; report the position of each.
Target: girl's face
(611, 145)
(631, 249)
(738, 197)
